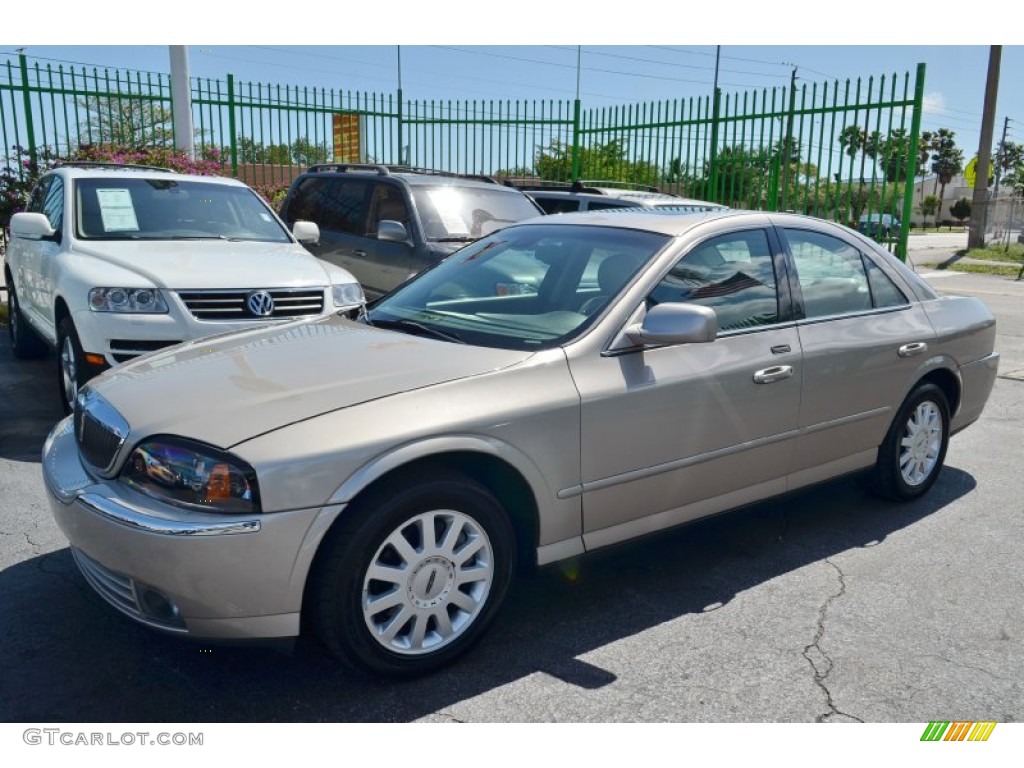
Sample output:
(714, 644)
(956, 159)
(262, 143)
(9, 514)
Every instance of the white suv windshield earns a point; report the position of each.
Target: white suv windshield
(118, 208)
(454, 213)
(530, 286)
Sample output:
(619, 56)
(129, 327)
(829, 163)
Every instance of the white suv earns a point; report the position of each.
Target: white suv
(111, 262)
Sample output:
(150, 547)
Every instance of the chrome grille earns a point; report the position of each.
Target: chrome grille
(232, 304)
(100, 431)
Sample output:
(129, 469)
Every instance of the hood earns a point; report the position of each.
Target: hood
(197, 264)
(228, 388)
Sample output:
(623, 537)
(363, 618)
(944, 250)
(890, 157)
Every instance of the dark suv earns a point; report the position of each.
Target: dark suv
(387, 223)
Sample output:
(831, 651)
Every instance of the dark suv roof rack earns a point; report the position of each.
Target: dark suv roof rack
(382, 169)
(112, 166)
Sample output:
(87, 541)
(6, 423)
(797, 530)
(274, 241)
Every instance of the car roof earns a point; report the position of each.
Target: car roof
(115, 171)
(673, 222)
(624, 198)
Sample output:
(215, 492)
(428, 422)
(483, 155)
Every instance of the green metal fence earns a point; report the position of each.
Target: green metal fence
(840, 150)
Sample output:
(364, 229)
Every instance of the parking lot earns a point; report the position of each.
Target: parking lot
(827, 605)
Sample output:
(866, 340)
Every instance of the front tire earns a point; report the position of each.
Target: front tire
(912, 455)
(72, 372)
(25, 342)
(408, 581)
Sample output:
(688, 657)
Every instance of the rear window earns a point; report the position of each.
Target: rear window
(453, 212)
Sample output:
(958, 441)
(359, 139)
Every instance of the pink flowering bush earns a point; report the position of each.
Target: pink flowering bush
(209, 163)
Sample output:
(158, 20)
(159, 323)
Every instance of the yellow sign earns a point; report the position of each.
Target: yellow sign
(971, 172)
(348, 137)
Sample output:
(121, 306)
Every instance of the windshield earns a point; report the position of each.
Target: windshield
(168, 209)
(527, 287)
(453, 213)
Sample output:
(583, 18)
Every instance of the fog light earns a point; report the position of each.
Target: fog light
(156, 605)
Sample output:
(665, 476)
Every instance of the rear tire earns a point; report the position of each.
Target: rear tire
(410, 578)
(911, 457)
(25, 342)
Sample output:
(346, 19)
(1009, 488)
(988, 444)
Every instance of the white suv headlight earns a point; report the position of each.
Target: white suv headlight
(347, 295)
(146, 300)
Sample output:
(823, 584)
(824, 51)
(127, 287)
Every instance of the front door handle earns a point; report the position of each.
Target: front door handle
(909, 350)
(359, 254)
(773, 374)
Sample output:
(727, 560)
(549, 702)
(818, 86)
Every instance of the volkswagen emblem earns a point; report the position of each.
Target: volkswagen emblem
(260, 303)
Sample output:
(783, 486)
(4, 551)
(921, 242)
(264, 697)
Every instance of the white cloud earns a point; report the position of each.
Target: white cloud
(934, 103)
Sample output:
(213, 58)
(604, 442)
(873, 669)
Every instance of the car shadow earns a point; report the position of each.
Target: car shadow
(68, 657)
(29, 403)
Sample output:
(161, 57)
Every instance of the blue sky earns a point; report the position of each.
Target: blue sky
(446, 57)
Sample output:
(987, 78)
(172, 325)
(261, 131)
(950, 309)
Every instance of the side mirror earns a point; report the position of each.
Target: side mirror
(306, 232)
(32, 226)
(392, 231)
(675, 324)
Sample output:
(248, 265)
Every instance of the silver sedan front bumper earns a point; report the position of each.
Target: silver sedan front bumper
(181, 571)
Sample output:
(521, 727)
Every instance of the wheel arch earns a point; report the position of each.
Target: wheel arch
(506, 483)
(948, 382)
(510, 479)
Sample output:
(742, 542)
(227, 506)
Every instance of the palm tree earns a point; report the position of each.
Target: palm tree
(947, 160)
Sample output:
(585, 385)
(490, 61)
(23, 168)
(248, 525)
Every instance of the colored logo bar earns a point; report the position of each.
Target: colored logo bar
(958, 731)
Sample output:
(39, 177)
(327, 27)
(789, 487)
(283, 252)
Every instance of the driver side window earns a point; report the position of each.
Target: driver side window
(732, 274)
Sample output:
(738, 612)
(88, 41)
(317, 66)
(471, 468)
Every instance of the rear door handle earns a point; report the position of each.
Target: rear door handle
(359, 254)
(773, 374)
(909, 350)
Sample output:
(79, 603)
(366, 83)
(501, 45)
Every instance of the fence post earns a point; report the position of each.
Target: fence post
(576, 140)
(29, 128)
(232, 137)
(908, 188)
(713, 163)
(400, 131)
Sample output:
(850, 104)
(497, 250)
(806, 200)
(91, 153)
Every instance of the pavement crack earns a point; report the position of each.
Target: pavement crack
(450, 717)
(821, 662)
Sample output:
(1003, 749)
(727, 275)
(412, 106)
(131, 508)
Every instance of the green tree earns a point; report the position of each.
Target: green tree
(853, 140)
(947, 160)
(961, 210)
(608, 162)
(925, 146)
(126, 122)
(1009, 162)
(891, 153)
(928, 207)
(742, 177)
(305, 152)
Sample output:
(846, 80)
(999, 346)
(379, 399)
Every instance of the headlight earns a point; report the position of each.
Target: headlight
(127, 300)
(192, 475)
(347, 295)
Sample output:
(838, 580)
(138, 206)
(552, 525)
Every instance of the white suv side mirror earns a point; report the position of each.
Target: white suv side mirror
(306, 232)
(33, 226)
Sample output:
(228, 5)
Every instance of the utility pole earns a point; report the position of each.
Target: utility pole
(979, 206)
(181, 100)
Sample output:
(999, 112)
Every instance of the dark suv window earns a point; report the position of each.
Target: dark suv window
(339, 204)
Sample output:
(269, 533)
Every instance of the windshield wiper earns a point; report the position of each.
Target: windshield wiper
(203, 237)
(414, 327)
(458, 239)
